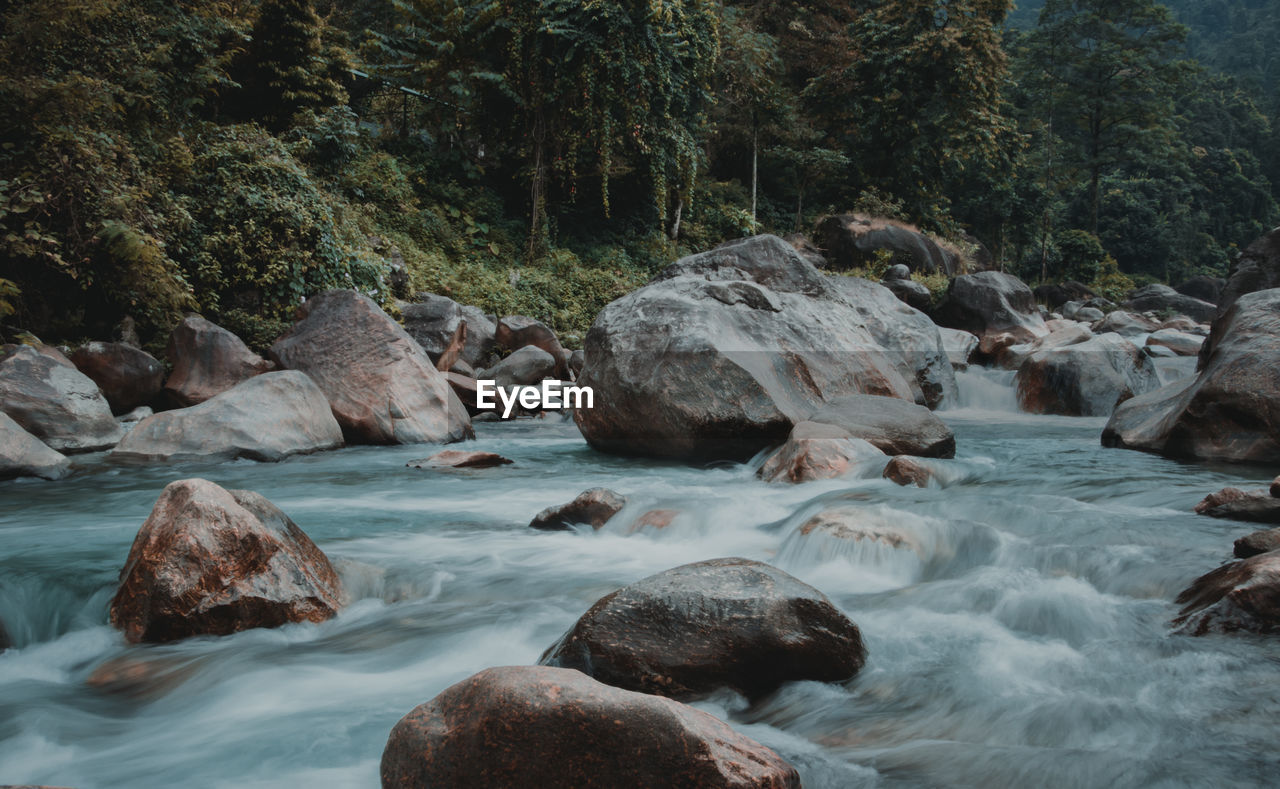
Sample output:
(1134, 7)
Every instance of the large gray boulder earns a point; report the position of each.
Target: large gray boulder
(268, 417)
(207, 361)
(723, 623)
(24, 455)
(381, 385)
(535, 727)
(55, 402)
(893, 426)
(1231, 409)
(723, 352)
(851, 241)
(1089, 378)
(1258, 268)
(434, 319)
(1162, 298)
(991, 303)
(525, 367)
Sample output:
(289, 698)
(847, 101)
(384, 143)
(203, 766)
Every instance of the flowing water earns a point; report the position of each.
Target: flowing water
(1018, 639)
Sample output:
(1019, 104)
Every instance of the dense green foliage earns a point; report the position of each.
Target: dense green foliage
(545, 156)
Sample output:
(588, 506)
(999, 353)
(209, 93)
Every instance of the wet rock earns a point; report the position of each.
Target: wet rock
(850, 524)
(1089, 315)
(127, 377)
(656, 520)
(893, 426)
(457, 458)
(991, 303)
(1258, 268)
(516, 332)
(1061, 335)
(850, 241)
(906, 471)
(140, 678)
(1275, 487)
(1162, 298)
(527, 366)
(1085, 379)
(434, 321)
(592, 508)
(722, 623)
(1180, 343)
(1126, 324)
(1235, 504)
(207, 361)
(959, 346)
(24, 455)
(1257, 543)
(55, 402)
(1204, 288)
(1231, 409)
(532, 727)
(382, 387)
(1241, 596)
(268, 417)
(210, 561)
(814, 452)
(723, 352)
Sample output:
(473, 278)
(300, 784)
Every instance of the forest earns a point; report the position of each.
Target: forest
(545, 157)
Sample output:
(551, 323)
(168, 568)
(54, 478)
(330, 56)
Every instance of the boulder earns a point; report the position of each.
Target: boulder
(850, 241)
(525, 367)
(991, 303)
(1240, 596)
(210, 561)
(911, 293)
(464, 386)
(959, 346)
(1089, 314)
(1055, 296)
(1204, 288)
(1126, 324)
(577, 360)
(893, 426)
(1184, 324)
(1085, 379)
(1231, 409)
(515, 332)
(1258, 268)
(592, 508)
(457, 458)
(207, 361)
(127, 377)
(905, 471)
(1275, 487)
(1162, 298)
(381, 385)
(806, 249)
(532, 727)
(1257, 543)
(723, 623)
(24, 455)
(55, 402)
(1180, 343)
(897, 272)
(723, 352)
(1062, 334)
(268, 417)
(1235, 504)
(814, 451)
(434, 320)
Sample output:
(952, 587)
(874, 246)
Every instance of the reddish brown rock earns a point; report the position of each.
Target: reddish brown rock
(815, 451)
(207, 361)
(209, 561)
(1257, 543)
(381, 385)
(457, 458)
(654, 519)
(533, 727)
(592, 508)
(1241, 596)
(724, 623)
(517, 331)
(127, 376)
(1256, 506)
(1218, 499)
(141, 678)
(905, 471)
(464, 386)
(453, 351)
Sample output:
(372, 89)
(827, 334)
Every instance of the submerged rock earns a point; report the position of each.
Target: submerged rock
(722, 623)
(268, 417)
(1254, 506)
(127, 377)
(457, 458)
(1231, 409)
(24, 455)
(592, 508)
(533, 727)
(815, 451)
(381, 385)
(207, 361)
(210, 561)
(55, 402)
(1241, 596)
(906, 471)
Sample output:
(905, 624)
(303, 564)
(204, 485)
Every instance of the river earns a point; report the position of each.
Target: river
(1023, 643)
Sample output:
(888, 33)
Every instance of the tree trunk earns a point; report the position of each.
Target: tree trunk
(537, 191)
(673, 232)
(755, 155)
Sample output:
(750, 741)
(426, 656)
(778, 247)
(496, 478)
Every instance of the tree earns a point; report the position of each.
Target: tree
(287, 66)
(1107, 72)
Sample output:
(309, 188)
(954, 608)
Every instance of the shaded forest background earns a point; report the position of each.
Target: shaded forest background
(544, 157)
